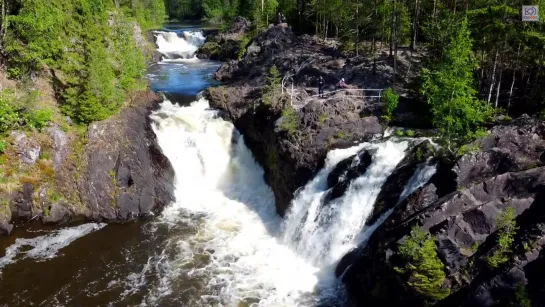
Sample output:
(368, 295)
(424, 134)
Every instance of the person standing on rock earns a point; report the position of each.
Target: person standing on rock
(321, 87)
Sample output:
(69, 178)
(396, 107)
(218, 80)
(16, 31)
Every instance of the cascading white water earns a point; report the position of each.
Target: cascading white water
(323, 233)
(173, 46)
(421, 176)
(218, 181)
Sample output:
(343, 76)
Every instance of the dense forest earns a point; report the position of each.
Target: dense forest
(88, 47)
(472, 50)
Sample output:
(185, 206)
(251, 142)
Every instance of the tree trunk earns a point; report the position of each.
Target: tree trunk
(374, 49)
(357, 40)
(498, 90)
(492, 81)
(392, 30)
(511, 91)
(415, 25)
(116, 3)
(394, 40)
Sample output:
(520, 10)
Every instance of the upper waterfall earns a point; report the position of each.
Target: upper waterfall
(179, 46)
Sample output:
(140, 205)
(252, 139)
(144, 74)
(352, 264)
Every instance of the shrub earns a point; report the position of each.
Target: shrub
(322, 118)
(409, 133)
(507, 227)
(391, 100)
(423, 268)
(272, 86)
(521, 298)
(38, 118)
(464, 149)
(290, 120)
(8, 115)
(3, 146)
(242, 46)
(399, 132)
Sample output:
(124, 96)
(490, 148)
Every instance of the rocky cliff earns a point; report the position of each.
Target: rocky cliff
(113, 171)
(286, 126)
(461, 207)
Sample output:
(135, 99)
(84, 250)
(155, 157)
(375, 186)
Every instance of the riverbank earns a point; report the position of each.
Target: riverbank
(64, 172)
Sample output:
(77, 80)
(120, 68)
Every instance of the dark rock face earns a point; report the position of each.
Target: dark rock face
(347, 170)
(125, 176)
(508, 148)
(225, 45)
(464, 224)
(119, 175)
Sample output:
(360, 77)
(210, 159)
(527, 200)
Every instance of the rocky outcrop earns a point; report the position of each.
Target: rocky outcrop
(225, 45)
(125, 175)
(116, 173)
(291, 134)
(503, 171)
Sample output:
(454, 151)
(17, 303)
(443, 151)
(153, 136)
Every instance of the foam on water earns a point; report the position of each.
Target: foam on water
(46, 246)
(173, 46)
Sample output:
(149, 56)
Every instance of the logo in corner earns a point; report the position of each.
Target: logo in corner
(530, 13)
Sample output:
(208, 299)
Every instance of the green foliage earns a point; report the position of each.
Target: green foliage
(409, 133)
(290, 120)
(419, 154)
(88, 44)
(399, 133)
(341, 134)
(322, 118)
(242, 47)
(3, 146)
(448, 88)
(423, 268)
(272, 87)
(391, 100)
(8, 116)
(507, 229)
(38, 118)
(464, 149)
(521, 298)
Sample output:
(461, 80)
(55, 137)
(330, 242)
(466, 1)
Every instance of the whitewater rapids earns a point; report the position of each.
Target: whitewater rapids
(173, 46)
(218, 180)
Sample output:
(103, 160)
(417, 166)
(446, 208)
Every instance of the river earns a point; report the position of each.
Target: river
(221, 242)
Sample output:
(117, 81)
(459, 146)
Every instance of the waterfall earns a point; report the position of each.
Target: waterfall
(323, 233)
(241, 250)
(175, 47)
(234, 251)
(421, 176)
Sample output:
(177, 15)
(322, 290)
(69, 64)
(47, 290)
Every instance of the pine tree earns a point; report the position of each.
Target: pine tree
(448, 88)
